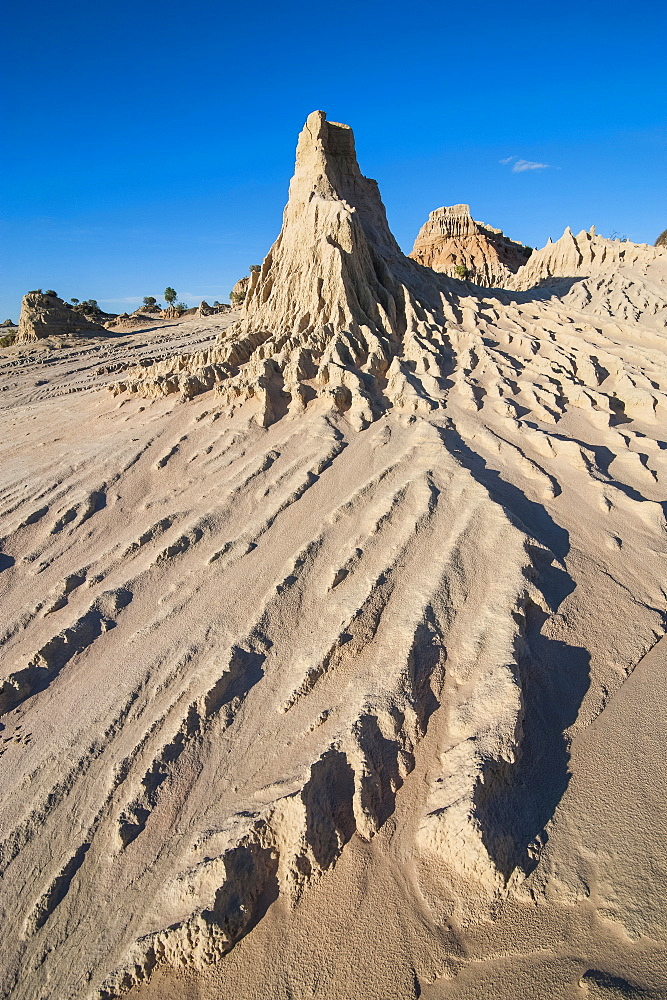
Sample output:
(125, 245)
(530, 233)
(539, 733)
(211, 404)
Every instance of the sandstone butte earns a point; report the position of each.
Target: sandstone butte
(44, 315)
(451, 239)
(333, 656)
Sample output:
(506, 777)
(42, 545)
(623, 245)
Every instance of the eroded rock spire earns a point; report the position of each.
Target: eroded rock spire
(328, 312)
(331, 267)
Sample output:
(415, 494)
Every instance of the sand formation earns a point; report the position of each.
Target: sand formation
(240, 290)
(323, 642)
(45, 315)
(451, 241)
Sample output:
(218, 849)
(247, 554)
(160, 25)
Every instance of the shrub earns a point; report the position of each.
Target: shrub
(237, 298)
(74, 302)
(87, 306)
(49, 291)
(150, 300)
(255, 267)
(462, 271)
(7, 340)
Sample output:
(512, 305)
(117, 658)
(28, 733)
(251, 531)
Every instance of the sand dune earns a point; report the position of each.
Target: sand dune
(332, 659)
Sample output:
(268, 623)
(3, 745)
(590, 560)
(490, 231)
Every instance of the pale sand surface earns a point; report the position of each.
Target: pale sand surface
(609, 834)
(344, 678)
(288, 507)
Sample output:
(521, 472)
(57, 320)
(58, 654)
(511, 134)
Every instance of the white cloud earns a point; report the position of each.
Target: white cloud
(522, 165)
(519, 165)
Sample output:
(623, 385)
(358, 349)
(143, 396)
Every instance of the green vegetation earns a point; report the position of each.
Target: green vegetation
(462, 271)
(49, 291)
(237, 298)
(150, 301)
(74, 302)
(170, 295)
(7, 340)
(255, 267)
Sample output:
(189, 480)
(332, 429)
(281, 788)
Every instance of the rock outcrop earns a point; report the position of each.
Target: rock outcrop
(583, 254)
(44, 315)
(239, 291)
(131, 321)
(453, 243)
(662, 239)
(610, 278)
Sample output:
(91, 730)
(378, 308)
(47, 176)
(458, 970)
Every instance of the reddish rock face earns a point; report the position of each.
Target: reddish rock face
(451, 239)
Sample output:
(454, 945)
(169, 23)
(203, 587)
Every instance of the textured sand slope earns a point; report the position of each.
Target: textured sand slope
(319, 683)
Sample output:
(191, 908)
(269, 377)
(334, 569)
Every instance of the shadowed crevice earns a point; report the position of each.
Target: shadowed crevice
(515, 802)
(328, 798)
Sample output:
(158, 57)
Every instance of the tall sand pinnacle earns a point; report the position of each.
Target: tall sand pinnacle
(334, 266)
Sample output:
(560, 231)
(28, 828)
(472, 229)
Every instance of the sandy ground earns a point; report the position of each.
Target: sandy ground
(384, 707)
(570, 945)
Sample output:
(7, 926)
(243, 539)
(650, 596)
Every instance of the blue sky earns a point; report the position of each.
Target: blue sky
(151, 143)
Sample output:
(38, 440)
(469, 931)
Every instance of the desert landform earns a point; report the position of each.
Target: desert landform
(333, 656)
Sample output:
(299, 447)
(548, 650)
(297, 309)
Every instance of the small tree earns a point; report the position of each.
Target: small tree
(462, 271)
(150, 301)
(255, 267)
(49, 291)
(74, 302)
(170, 295)
(180, 308)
